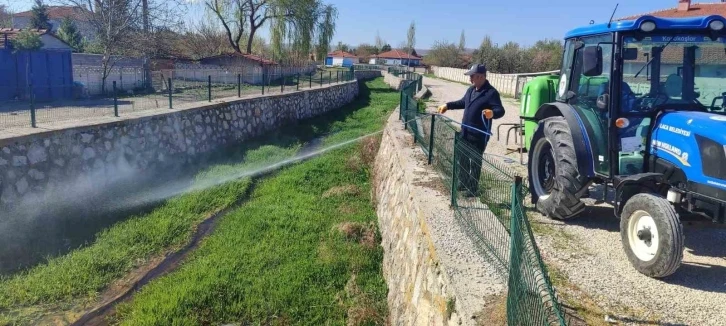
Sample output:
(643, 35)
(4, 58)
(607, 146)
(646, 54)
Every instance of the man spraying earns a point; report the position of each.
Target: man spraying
(481, 104)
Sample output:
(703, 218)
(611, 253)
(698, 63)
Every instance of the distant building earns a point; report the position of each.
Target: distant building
(395, 58)
(340, 59)
(684, 9)
(236, 60)
(56, 15)
(50, 41)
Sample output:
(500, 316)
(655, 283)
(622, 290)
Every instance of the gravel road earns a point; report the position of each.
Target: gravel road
(588, 250)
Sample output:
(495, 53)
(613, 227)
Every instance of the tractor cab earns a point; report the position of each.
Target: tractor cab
(640, 106)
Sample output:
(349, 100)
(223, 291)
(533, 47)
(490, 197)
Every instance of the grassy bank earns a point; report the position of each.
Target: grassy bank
(66, 282)
(303, 250)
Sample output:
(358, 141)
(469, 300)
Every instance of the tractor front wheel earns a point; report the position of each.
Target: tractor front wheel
(652, 235)
(555, 183)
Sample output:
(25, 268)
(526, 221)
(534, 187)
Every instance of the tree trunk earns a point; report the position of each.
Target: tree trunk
(145, 13)
(253, 30)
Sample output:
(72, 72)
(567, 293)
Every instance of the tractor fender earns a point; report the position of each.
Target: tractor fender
(580, 128)
(637, 183)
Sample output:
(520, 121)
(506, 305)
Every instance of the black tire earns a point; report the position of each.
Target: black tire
(560, 197)
(668, 254)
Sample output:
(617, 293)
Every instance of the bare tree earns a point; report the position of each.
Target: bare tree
(411, 41)
(295, 22)
(203, 40)
(232, 15)
(120, 26)
(379, 41)
(6, 17)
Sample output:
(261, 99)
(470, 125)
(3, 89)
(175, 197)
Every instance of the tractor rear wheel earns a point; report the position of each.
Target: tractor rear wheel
(554, 181)
(652, 235)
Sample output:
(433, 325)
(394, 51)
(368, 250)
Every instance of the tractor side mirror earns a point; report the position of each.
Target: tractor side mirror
(630, 54)
(592, 61)
(603, 102)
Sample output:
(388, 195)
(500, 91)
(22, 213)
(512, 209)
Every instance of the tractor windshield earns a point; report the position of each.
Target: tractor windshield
(680, 71)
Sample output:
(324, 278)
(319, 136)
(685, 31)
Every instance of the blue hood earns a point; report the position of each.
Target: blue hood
(705, 124)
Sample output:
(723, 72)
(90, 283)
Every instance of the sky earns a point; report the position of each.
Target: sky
(522, 21)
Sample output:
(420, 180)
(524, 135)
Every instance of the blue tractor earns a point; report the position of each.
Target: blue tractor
(639, 106)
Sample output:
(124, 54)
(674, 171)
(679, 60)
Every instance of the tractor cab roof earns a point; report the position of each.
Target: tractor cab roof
(680, 24)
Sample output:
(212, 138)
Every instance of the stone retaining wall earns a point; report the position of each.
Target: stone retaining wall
(392, 80)
(367, 74)
(418, 289)
(44, 164)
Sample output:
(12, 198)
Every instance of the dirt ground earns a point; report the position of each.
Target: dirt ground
(588, 251)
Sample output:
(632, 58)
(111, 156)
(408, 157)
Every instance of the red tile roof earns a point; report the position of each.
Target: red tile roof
(251, 57)
(57, 12)
(396, 54)
(339, 54)
(695, 10)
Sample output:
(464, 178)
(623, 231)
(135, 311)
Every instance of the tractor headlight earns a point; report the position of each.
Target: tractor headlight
(716, 25)
(647, 26)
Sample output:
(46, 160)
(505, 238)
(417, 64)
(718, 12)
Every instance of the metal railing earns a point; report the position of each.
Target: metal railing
(487, 197)
(36, 105)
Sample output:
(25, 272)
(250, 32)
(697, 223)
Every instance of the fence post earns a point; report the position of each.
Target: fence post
(337, 76)
(330, 77)
(115, 100)
(297, 85)
(239, 85)
(455, 169)
(405, 115)
(431, 139)
(32, 106)
(400, 105)
(209, 88)
(321, 79)
(170, 90)
(263, 83)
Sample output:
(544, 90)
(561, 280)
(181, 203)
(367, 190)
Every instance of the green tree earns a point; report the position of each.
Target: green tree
(68, 32)
(445, 54)
(489, 54)
(386, 47)
(364, 51)
(326, 29)
(27, 40)
(462, 42)
(545, 55)
(39, 18)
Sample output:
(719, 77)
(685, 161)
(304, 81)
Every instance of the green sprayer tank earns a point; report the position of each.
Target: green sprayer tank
(536, 92)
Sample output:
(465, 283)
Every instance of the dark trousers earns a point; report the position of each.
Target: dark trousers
(470, 158)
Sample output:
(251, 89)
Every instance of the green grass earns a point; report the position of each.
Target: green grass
(76, 278)
(280, 258)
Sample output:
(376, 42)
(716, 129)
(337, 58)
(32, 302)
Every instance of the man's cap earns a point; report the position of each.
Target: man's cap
(476, 69)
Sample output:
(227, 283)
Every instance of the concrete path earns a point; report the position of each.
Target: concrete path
(443, 91)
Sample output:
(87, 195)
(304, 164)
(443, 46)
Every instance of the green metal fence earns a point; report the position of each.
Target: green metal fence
(487, 197)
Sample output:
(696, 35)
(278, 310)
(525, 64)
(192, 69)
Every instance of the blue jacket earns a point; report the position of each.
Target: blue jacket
(473, 107)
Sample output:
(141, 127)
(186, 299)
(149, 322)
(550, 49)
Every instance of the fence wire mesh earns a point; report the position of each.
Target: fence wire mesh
(38, 105)
(487, 197)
